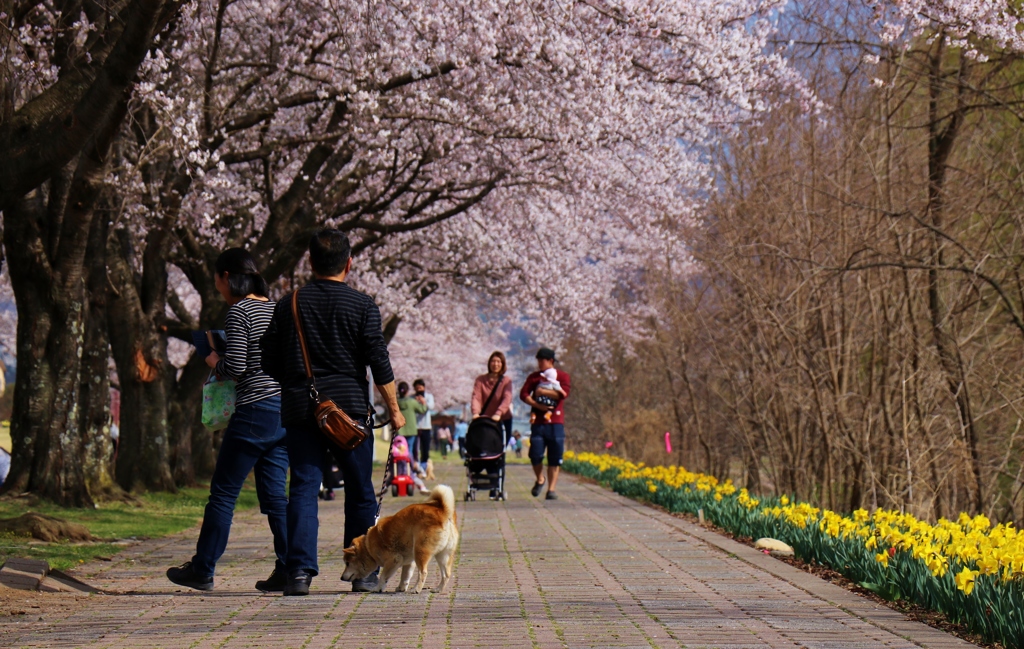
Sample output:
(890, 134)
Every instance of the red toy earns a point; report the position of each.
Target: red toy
(401, 469)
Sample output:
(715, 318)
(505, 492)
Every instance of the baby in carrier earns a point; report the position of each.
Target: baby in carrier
(550, 382)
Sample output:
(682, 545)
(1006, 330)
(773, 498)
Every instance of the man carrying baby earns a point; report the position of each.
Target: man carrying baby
(545, 395)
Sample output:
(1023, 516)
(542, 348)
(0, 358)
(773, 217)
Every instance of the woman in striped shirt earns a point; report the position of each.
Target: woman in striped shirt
(254, 437)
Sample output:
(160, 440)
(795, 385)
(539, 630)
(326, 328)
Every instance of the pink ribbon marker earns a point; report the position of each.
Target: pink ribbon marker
(668, 443)
(607, 445)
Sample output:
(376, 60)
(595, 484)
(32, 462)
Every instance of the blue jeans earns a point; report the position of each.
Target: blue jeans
(254, 439)
(307, 452)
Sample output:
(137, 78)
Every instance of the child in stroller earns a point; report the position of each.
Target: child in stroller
(485, 454)
(403, 480)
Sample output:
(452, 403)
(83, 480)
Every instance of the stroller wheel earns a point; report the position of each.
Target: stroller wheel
(394, 490)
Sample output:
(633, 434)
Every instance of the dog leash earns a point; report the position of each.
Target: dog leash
(387, 471)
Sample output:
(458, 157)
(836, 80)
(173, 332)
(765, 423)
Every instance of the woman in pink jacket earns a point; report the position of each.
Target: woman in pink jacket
(500, 407)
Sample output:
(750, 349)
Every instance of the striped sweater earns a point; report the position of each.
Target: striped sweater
(344, 337)
(244, 326)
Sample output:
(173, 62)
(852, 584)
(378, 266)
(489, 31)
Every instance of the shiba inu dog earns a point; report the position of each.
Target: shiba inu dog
(413, 536)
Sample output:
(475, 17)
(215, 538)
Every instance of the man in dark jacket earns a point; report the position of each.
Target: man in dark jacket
(343, 335)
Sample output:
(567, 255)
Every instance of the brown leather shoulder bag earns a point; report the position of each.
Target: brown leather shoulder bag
(332, 420)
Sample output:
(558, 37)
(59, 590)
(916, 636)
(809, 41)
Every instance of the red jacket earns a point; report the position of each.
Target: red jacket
(532, 381)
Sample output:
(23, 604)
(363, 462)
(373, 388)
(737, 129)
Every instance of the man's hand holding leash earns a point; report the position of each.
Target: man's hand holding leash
(390, 394)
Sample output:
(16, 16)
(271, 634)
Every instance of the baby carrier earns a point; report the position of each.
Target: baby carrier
(485, 454)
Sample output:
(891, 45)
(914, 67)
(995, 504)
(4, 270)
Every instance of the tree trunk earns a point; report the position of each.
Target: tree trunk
(95, 383)
(192, 454)
(47, 445)
(144, 451)
(942, 135)
(143, 461)
(47, 240)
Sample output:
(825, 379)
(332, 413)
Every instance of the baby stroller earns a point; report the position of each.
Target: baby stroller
(400, 478)
(485, 454)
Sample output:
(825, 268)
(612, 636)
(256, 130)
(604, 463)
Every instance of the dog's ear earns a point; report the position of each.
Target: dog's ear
(350, 554)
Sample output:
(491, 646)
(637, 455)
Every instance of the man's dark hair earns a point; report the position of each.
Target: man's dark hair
(546, 353)
(403, 389)
(329, 251)
(419, 382)
(243, 276)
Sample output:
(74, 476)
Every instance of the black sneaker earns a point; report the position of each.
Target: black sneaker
(367, 584)
(185, 575)
(537, 486)
(274, 583)
(551, 496)
(298, 583)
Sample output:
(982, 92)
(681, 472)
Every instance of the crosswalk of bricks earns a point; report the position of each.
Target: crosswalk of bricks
(589, 570)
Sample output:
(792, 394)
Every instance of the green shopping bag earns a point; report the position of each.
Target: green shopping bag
(218, 403)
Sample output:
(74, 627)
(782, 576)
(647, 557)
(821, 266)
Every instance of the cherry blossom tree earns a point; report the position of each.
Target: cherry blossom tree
(430, 134)
(448, 358)
(66, 72)
(530, 160)
(961, 23)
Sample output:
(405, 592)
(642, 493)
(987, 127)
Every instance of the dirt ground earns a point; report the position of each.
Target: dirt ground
(16, 603)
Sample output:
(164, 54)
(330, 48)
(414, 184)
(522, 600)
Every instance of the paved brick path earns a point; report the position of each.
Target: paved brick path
(589, 570)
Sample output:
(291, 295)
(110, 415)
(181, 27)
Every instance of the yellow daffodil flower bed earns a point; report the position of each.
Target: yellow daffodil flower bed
(968, 569)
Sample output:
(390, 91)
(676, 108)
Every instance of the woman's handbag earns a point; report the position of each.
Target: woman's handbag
(218, 403)
(332, 420)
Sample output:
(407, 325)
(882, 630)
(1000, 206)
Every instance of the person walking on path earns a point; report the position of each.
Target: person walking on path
(546, 434)
(423, 425)
(461, 428)
(444, 440)
(342, 329)
(411, 408)
(254, 437)
(500, 407)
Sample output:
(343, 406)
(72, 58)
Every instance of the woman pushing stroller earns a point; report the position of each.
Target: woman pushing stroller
(500, 407)
(492, 400)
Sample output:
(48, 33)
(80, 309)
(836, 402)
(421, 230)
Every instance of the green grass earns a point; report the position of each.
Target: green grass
(155, 515)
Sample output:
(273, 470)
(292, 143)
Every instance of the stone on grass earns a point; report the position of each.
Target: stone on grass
(59, 582)
(23, 574)
(33, 574)
(774, 546)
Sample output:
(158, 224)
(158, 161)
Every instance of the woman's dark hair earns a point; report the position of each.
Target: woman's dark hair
(329, 251)
(498, 355)
(243, 276)
(403, 389)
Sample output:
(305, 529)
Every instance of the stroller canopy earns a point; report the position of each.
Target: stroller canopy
(485, 438)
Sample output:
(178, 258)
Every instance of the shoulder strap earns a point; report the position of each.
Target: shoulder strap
(302, 345)
(497, 384)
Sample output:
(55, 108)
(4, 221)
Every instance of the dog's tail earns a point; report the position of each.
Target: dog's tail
(443, 495)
